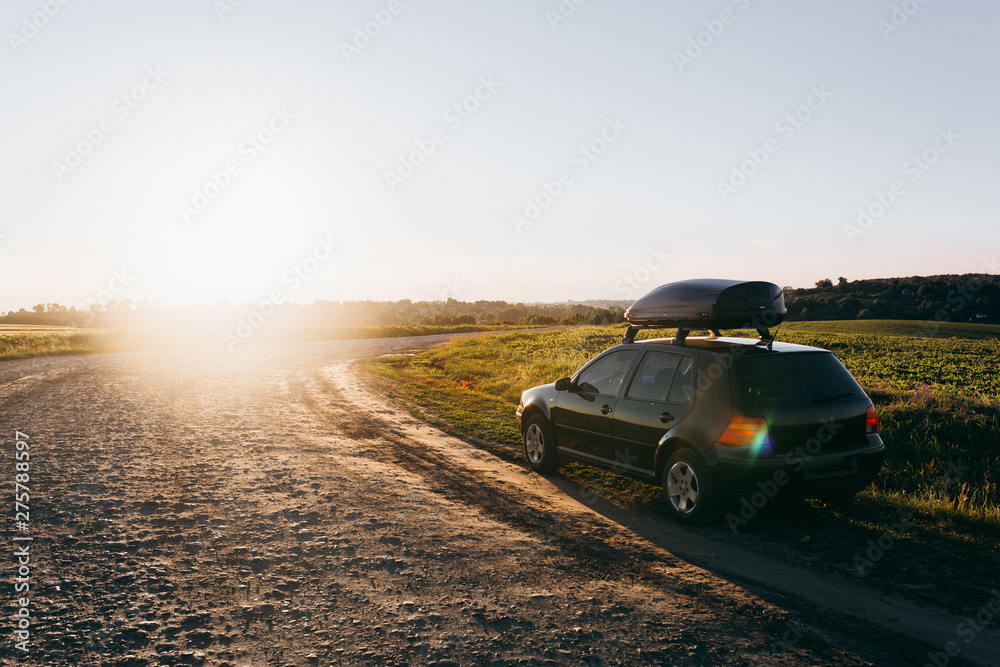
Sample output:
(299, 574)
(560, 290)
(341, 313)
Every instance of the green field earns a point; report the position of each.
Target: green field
(21, 342)
(938, 401)
(911, 328)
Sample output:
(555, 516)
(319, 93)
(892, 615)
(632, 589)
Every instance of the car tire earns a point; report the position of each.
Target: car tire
(540, 445)
(688, 488)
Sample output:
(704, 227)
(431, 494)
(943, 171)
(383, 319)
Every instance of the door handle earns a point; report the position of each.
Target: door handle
(666, 418)
(605, 409)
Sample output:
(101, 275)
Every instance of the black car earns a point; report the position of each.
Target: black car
(710, 418)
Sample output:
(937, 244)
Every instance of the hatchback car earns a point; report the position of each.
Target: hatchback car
(710, 418)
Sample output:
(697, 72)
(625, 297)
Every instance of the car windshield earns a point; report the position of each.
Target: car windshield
(794, 379)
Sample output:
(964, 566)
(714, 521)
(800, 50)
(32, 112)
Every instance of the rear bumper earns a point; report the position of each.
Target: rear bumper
(801, 475)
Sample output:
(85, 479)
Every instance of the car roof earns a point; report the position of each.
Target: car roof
(729, 344)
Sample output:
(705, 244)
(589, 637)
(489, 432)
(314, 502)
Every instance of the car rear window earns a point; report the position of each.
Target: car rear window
(794, 379)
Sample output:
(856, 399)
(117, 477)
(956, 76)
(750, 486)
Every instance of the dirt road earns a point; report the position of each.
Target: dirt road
(263, 507)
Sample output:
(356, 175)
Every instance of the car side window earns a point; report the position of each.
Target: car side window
(605, 375)
(652, 380)
(682, 389)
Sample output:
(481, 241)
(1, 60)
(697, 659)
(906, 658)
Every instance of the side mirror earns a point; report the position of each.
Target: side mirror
(564, 384)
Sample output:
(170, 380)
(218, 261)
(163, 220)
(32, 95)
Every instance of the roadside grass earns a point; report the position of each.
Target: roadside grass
(21, 345)
(938, 408)
(943, 452)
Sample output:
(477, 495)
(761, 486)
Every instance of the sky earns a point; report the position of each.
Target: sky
(524, 150)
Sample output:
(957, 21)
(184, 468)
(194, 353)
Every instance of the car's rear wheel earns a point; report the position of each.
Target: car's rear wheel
(688, 488)
(539, 445)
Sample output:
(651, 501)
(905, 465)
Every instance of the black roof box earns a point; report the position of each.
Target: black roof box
(709, 304)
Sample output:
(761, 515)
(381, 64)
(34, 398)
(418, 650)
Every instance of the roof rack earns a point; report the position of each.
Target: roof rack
(682, 334)
(708, 304)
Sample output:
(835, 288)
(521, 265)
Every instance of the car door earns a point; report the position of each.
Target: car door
(658, 397)
(582, 415)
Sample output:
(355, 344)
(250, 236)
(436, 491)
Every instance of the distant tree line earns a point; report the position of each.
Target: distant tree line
(957, 298)
(954, 298)
(118, 314)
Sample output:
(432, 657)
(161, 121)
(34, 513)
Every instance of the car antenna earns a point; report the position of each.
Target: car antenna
(770, 343)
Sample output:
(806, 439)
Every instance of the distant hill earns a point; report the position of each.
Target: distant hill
(950, 298)
(610, 304)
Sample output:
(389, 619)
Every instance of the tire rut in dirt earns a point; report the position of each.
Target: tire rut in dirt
(592, 549)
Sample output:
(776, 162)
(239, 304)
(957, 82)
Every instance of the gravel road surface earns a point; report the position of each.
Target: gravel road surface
(264, 507)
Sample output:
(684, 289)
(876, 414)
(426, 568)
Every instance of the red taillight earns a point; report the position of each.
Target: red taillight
(745, 432)
(871, 420)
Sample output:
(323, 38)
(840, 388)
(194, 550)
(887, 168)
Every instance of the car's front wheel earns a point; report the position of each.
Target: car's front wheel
(539, 445)
(688, 489)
